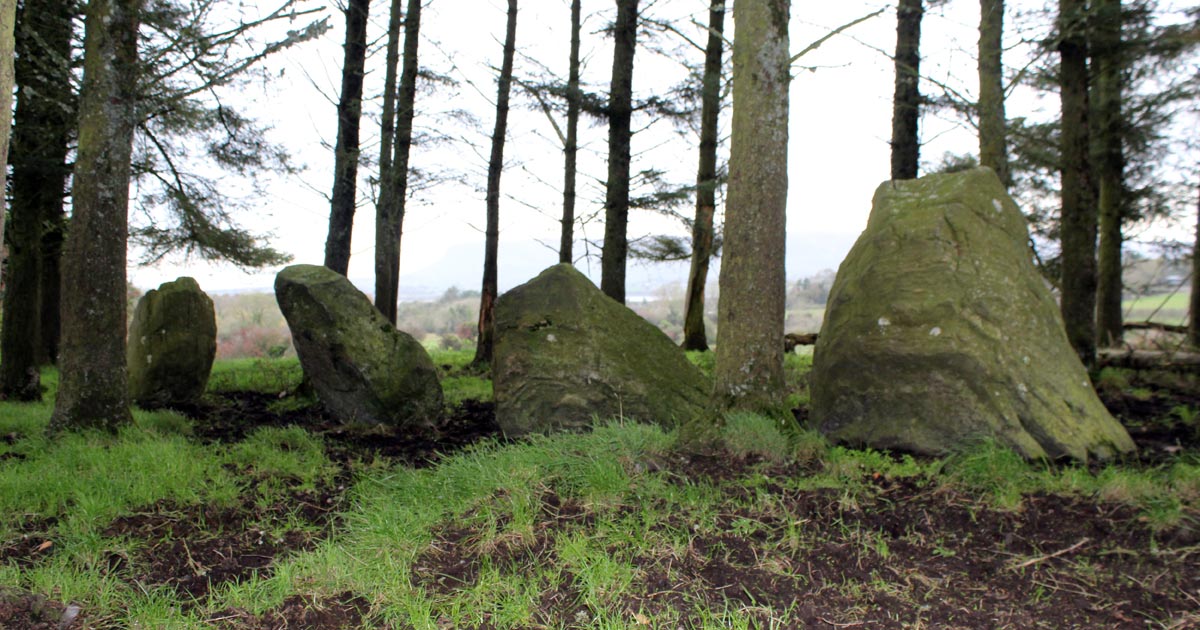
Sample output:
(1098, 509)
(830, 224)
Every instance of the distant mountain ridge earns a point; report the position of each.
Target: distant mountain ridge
(460, 266)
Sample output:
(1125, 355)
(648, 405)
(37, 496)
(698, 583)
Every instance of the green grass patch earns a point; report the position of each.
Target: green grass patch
(1164, 309)
(86, 479)
(268, 376)
(288, 453)
(456, 389)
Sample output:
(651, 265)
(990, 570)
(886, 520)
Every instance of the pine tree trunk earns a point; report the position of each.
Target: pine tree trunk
(993, 134)
(749, 370)
(694, 337)
(906, 104)
(344, 197)
(1194, 301)
(93, 379)
(50, 290)
(1110, 169)
(8, 25)
(1078, 300)
(566, 251)
(40, 141)
(487, 302)
(620, 114)
(393, 193)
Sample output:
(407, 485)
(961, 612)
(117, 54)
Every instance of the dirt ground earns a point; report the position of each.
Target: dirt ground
(931, 557)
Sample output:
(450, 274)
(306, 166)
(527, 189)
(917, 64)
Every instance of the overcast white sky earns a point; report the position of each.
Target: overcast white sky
(840, 124)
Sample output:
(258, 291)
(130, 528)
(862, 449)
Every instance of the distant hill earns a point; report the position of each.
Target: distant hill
(461, 265)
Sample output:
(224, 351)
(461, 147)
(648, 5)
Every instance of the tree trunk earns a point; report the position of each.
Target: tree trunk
(1078, 300)
(393, 192)
(620, 113)
(566, 252)
(93, 379)
(749, 369)
(993, 134)
(1194, 300)
(1110, 170)
(345, 167)
(487, 301)
(8, 25)
(906, 104)
(694, 337)
(57, 142)
(43, 122)
(54, 231)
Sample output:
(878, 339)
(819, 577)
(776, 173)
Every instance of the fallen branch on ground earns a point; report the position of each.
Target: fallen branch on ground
(1060, 552)
(1149, 359)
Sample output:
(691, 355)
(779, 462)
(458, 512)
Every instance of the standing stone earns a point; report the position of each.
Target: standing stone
(362, 368)
(940, 332)
(172, 342)
(567, 355)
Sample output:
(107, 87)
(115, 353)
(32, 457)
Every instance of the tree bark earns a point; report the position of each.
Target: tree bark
(566, 251)
(344, 197)
(50, 290)
(620, 114)
(57, 143)
(1111, 168)
(393, 193)
(487, 302)
(1194, 300)
(694, 336)
(8, 25)
(40, 141)
(93, 379)
(1078, 286)
(906, 104)
(749, 367)
(993, 134)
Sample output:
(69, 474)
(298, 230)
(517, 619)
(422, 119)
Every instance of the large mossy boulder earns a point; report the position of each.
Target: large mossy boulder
(939, 332)
(172, 343)
(362, 368)
(566, 355)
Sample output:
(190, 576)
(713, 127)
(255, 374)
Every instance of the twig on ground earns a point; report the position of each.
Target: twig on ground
(1060, 552)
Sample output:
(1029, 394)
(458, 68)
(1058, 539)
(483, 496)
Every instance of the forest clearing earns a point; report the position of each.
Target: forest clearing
(956, 450)
(254, 509)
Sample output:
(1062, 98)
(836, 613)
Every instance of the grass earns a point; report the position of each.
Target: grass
(600, 515)
(1163, 309)
(268, 376)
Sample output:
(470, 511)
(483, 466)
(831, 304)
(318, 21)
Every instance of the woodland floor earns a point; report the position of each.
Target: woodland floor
(932, 557)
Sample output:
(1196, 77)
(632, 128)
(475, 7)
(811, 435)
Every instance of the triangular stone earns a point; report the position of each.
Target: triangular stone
(939, 332)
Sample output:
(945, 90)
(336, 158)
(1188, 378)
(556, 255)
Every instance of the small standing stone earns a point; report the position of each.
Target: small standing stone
(172, 343)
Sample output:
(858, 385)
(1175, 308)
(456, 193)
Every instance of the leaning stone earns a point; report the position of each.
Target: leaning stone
(362, 368)
(172, 343)
(567, 355)
(940, 332)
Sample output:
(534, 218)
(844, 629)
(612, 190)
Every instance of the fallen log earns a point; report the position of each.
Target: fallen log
(1171, 328)
(1149, 360)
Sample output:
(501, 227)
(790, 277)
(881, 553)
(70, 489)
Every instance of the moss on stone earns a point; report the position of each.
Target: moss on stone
(362, 368)
(566, 354)
(939, 331)
(172, 343)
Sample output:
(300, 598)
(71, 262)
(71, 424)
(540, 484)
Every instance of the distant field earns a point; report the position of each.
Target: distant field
(1164, 309)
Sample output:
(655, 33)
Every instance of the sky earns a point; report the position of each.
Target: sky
(840, 122)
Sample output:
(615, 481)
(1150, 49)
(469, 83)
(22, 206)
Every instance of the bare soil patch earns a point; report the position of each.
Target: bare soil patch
(905, 554)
